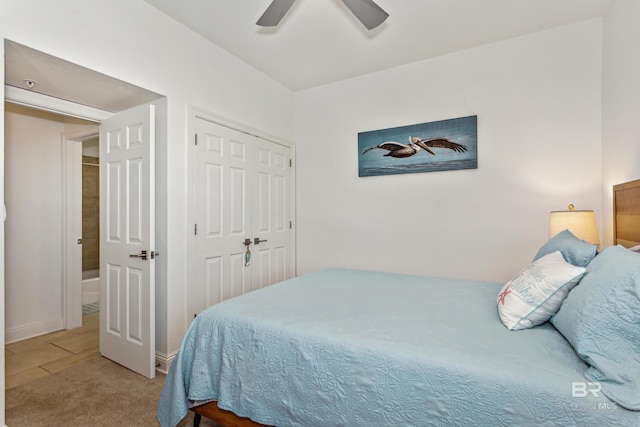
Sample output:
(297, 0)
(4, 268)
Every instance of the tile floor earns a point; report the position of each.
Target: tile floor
(37, 357)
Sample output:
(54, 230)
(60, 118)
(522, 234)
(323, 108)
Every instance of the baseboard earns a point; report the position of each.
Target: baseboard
(164, 361)
(33, 330)
(90, 297)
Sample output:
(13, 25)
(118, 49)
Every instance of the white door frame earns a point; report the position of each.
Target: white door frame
(195, 113)
(54, 105)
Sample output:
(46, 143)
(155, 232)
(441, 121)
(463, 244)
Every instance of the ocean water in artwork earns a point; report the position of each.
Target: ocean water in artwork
(460, 130)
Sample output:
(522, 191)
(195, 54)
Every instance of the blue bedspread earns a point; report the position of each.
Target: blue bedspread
(361, 348)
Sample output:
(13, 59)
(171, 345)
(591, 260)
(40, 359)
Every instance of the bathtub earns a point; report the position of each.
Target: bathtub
(90, 286)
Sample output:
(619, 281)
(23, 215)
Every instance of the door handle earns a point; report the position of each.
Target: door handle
(257, 241)
(142, 254)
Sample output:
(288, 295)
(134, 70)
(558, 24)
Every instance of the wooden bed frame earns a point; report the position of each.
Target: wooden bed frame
(226, 418)
(626, 232)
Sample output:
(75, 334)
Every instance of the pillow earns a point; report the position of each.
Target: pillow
(536, 293)
(601, 320)
(575, 251)
(635, 248)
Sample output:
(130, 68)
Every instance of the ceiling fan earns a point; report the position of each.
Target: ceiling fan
(367, 12)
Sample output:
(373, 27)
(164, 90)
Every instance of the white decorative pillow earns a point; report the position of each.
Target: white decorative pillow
(536, 293)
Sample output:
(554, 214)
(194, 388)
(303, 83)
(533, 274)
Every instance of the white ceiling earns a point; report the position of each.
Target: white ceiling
(320, 41)
(64, 80)
(317, 42)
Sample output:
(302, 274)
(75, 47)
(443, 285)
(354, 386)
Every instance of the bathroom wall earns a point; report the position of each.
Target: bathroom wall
(90, 213)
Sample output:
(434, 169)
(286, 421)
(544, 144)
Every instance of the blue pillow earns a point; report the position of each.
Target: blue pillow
(575, 251)
(601, 319)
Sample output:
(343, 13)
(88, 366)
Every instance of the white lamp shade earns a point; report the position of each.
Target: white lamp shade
(581, 223)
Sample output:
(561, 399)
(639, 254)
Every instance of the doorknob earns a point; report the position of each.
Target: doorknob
(142, 254)
(257, 241)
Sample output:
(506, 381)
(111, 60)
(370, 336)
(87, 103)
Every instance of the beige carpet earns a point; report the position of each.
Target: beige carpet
(96, 393)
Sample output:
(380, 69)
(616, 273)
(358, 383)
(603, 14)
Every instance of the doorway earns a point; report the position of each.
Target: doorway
(59, 95)
(90, 225)
(82, 224)
(36, 267)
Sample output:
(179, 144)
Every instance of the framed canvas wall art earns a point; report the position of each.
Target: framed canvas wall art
(443, 145)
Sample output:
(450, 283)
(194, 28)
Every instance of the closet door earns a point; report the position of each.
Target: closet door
(270, 227)
(241, 200)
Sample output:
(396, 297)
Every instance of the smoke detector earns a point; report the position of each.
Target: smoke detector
(30, 83)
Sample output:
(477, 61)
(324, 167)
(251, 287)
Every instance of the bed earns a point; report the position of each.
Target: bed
(364, 348)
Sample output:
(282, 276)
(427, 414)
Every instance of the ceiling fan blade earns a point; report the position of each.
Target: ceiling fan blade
(369, 13)
(274, 13)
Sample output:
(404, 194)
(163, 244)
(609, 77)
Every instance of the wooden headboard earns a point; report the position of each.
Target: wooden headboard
(626, 214)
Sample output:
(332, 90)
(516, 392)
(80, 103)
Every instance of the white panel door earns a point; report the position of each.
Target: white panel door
(270, 231)
(221, 217)
(127, 239)
(241, 193)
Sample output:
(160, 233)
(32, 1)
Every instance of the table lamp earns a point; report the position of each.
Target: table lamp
(581, 223)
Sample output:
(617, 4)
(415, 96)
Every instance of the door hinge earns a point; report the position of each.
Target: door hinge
(290, 224)
(290, 163)
(195, 229)
(196, 139)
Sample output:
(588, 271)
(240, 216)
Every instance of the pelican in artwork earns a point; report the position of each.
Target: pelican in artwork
(396, 149)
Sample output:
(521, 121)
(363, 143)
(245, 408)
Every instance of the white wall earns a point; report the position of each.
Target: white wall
(134, 42)
(537, 99)
(34, 237)
(620, 102)
(33, 195)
